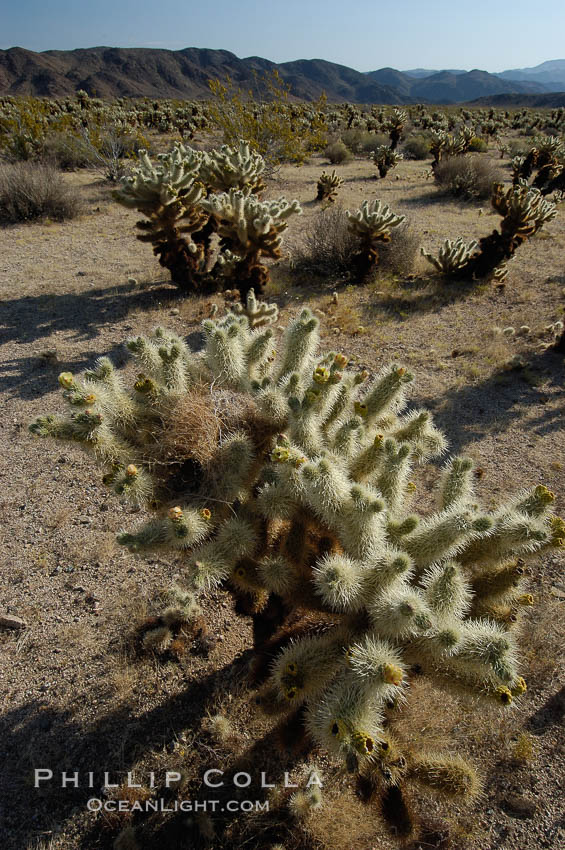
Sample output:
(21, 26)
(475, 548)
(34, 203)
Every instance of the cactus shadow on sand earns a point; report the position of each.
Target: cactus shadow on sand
(492, 405)
(36, 736)
(36, 319)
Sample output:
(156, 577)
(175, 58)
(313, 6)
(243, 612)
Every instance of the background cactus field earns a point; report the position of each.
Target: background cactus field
(75, 693)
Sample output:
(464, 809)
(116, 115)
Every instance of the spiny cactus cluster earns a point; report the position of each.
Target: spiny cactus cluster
(182, 216)
(523, 211)
(545, 157)
(394, 126)
(445, 144)
(371, 224)
(327, 186)
(453, 255)
(289, 479)
(386, 158)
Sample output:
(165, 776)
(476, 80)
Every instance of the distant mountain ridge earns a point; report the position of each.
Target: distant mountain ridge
(148, 72)
(550, 74)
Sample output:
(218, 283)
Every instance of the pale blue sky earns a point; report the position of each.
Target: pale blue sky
(365, 35)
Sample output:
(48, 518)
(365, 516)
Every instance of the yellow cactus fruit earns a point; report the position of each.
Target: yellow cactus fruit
(280, 454)
(132, 470)
(519, 687)
(504, 695)
(360, 408)
(363, 743)
(321, 375)
(392, 675)
(66, 380)
(525, 599)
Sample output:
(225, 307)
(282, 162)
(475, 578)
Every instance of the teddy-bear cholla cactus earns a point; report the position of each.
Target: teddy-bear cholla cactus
(394, 126)
(445, 144)
(327, 186)
(453, 255)
(182, 220)
(289, 479)
(371, 224)
(524, 211)
(386, 158)
(251, 230)
(546, 157)
(168, 194)
(233, 168)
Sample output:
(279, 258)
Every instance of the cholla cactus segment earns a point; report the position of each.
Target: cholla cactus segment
(327, 186)
(453, 255)
(284, 479)
(233, 168)
(249, 224)
(258, 313)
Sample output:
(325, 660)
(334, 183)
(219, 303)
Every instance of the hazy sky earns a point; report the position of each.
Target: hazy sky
(365, 35)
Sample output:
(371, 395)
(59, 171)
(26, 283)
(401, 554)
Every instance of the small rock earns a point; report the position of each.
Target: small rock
(9, 621)
(175, 311)
(557, 592)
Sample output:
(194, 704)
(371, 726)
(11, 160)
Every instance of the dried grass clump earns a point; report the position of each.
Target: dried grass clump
(30, 191)
(195, 427)
(192, 428)
(467, 177)
(398, 256)
(327, 245)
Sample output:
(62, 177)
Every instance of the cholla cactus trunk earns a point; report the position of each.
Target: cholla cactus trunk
(187, 261)
(283, 476)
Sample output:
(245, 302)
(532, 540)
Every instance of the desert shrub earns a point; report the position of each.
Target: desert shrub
(65, 151)
(337, 152)
(278, 129)
(362, 141)
(477, 145)
(329, 247)
(466, 177)
(517, 148)
(397, 257)
(327, 244)
(416, 147)
(30, 191)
